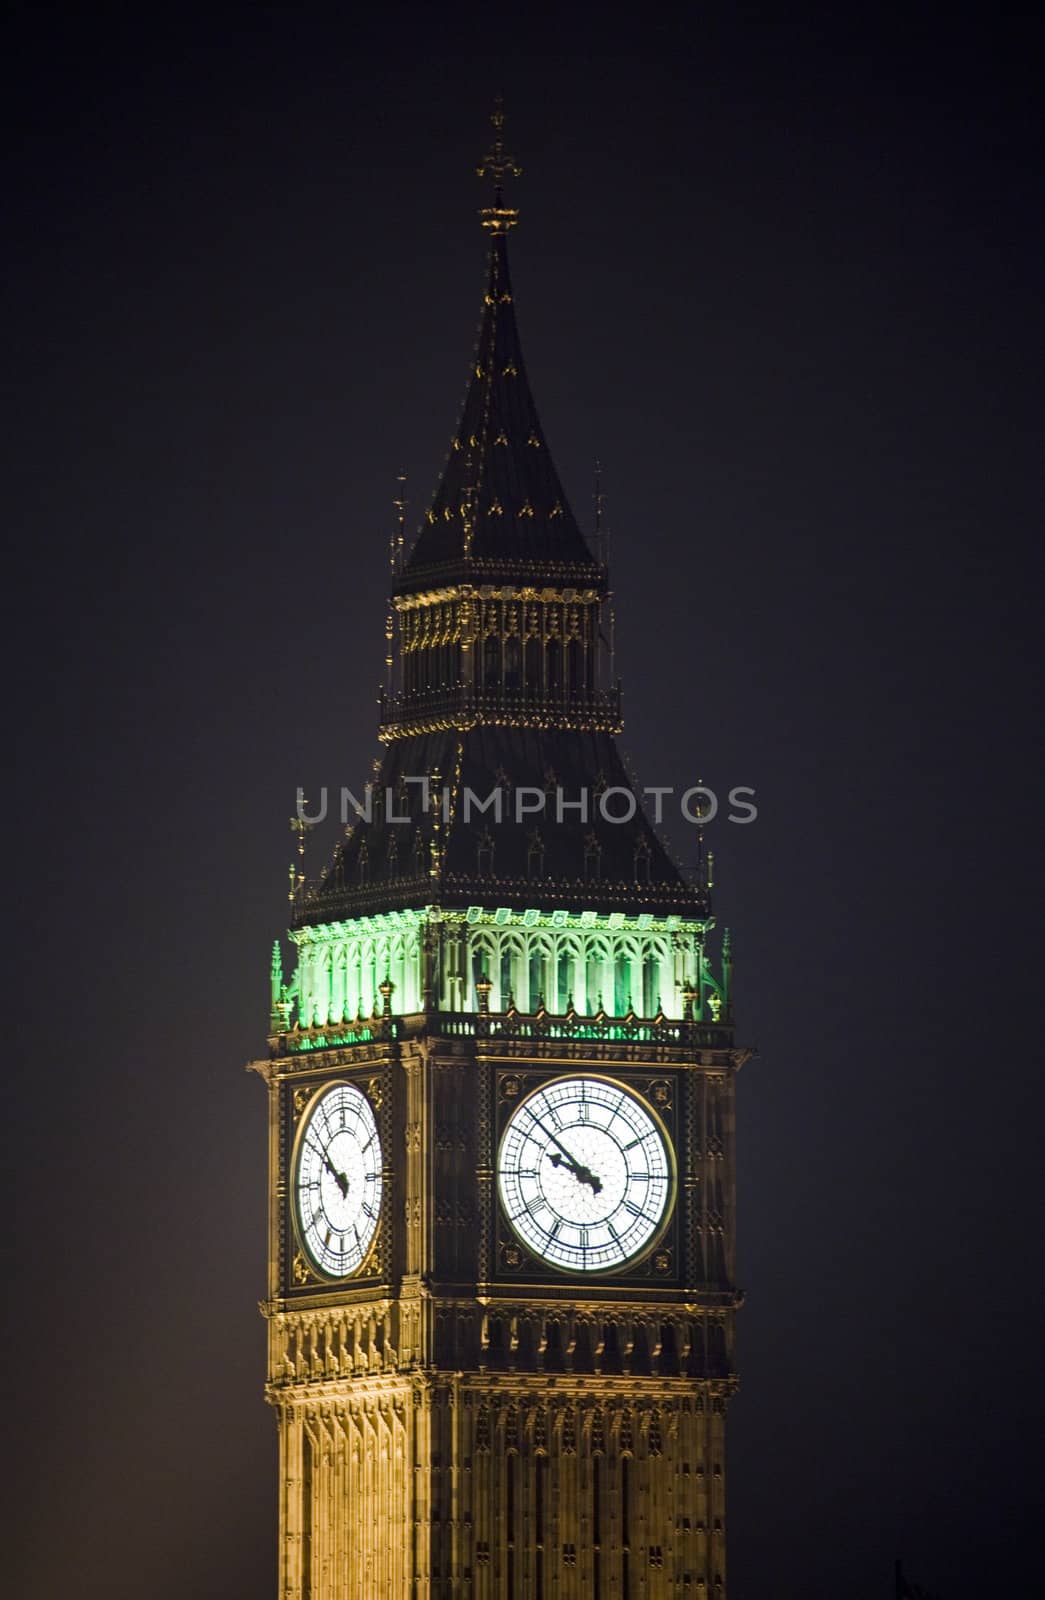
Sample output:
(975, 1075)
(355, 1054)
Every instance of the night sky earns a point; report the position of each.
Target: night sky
(784, 279)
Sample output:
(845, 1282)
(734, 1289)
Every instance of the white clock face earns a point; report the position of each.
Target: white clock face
(584, 1174)
(338, 1180)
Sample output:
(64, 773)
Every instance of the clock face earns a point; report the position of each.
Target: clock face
(584, 1174)
(337, 1180)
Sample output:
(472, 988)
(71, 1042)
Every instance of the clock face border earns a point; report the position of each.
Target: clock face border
(532, 1082)
(322, 1275)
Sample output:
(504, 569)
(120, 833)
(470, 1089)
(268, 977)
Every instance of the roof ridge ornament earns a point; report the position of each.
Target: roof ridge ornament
(498, 165)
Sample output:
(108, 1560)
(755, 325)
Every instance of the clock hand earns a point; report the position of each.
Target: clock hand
(338, 1177)
(582, 1174)
(569, 1159)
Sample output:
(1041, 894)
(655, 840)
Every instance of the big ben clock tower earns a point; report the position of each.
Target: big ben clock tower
(501, 1291)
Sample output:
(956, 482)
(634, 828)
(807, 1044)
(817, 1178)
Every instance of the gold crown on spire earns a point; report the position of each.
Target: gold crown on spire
(498, 165)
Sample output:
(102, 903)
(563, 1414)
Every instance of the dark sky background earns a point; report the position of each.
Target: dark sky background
(784, 277)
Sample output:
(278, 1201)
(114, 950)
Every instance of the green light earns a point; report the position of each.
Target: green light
(578, 965)
(328, 1041)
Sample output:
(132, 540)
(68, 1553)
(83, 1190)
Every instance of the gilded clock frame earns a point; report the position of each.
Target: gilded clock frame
(302, 1098)
(533, 1267)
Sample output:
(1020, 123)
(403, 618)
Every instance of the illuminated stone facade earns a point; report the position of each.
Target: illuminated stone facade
(460, 1416)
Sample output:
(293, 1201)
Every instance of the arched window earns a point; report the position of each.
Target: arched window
(564, 979)
(621, 983)
(536, 977)
(507, 975)
(367, 977)
(574, 664)
(594, 972)
(482, 963)
(492, 661)
(650, 997)
(533, 665)
(513, 663)
(553, 666)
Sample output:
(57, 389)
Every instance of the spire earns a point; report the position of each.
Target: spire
(498, 165)
(499, 504)
(400, 504)
(501, 628)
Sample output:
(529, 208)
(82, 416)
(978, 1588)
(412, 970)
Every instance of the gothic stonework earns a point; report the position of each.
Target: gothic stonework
(501, 1084)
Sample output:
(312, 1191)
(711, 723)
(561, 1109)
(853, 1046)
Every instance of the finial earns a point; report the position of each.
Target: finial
(468, 505)
(601, 532)
(299, 826)
(498, 165)
(278, 991)
(399, 538)
(396, 558)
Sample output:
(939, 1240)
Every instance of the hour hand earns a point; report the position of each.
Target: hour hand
(582, 1174)
(338, 1177)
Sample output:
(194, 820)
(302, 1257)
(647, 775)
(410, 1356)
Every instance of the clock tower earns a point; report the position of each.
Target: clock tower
(501, 1290)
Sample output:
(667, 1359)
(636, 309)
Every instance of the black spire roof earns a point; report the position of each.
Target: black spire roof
(408, 856)
(499, 510)
(499, 500)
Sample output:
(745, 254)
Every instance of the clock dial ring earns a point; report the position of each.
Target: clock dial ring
(337, 1180)
(585, 1174)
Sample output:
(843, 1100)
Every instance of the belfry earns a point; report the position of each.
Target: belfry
(501, 1293)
